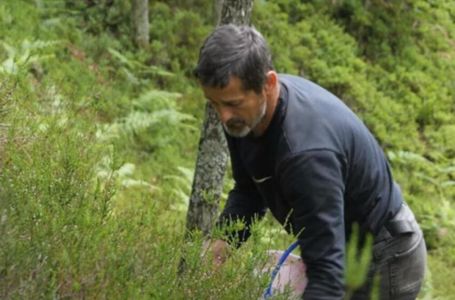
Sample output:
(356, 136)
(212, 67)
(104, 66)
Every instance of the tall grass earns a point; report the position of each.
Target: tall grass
(96, 159)
(62, 235)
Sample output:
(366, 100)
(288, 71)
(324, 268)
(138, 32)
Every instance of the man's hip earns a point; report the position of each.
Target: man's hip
(399, 258)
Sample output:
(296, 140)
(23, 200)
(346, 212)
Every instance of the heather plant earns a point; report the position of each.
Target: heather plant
(98, 139)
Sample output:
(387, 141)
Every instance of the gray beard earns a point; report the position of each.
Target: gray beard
(247, 129)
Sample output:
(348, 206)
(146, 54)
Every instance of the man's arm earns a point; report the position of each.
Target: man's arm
(244, 202)
(313, 182)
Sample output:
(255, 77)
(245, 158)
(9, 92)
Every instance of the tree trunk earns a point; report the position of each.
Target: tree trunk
(236, 12)
(140, 14)
(212, 154)
(208, 177)
(217, 7)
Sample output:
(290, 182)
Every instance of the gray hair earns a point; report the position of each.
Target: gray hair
(232, 50)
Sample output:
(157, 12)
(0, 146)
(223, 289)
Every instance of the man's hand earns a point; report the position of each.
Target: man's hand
(218, 250)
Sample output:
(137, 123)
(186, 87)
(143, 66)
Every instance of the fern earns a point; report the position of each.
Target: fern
(181, 187)
(132, 64)
(155, 100)
(153, 111)
(26, 54)
(137, 122)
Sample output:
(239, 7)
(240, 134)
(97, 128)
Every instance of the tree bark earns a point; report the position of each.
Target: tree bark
(208, 177)
(236, 12)
(212, 153)
(217, 7)
(140, 14)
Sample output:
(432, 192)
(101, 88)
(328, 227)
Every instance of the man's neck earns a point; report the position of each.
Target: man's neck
(272, 103)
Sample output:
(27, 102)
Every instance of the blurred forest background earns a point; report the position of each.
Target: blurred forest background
(98, 136)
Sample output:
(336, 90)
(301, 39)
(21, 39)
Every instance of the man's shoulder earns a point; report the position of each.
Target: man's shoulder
(315, 119)
(305, 89)
(299, 82)
(293, 81)
(309, 112)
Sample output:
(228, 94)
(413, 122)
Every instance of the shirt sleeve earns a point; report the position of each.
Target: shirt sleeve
(313, 183)
(244, 202)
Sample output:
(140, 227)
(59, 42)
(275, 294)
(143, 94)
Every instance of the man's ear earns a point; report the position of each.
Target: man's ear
(271, 81)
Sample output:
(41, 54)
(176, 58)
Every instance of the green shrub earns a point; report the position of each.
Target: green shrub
(98, 139)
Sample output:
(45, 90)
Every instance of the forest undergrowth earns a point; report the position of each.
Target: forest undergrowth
(98, 138)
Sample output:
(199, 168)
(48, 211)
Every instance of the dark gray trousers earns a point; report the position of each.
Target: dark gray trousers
(399, 258)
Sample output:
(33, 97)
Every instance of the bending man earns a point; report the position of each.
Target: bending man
(299, 151)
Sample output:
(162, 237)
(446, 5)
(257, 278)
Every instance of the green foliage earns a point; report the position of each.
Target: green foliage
(357, 261)
(101, 15)
(436, 181)
(98, 139)
(130, 65)
(175, 37)
(24, 56)
(150, 126)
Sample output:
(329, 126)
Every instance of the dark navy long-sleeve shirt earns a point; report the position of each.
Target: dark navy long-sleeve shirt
(318, 169)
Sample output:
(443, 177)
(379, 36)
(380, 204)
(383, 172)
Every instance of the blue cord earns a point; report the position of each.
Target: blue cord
(284, 256)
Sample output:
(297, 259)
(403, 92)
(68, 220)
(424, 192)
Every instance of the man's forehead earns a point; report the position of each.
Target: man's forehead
(231, 92)
(223, 98)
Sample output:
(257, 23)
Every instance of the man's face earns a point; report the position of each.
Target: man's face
(240, 111)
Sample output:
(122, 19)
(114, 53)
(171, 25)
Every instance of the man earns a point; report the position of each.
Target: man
(299, 151)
